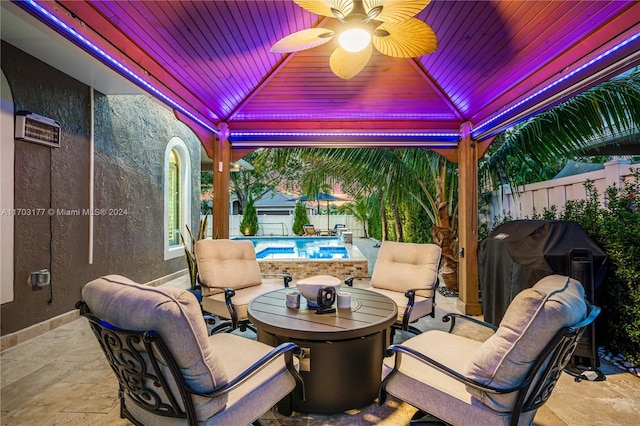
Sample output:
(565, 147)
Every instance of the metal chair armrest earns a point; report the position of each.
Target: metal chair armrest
(411, 293)
(453, 316)
(411, 296)
(349, 280)
(228, 295)
(399, 351)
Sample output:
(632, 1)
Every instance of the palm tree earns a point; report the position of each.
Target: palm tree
(398, 176)
(611, 109)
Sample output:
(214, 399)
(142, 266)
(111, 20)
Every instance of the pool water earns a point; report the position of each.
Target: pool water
(298, 247)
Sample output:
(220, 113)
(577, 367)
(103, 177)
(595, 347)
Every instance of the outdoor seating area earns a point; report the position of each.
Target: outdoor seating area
(312, 213)
(72, 383)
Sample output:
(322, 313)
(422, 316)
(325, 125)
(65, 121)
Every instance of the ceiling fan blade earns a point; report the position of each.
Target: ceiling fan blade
(301, 40)
(395, 10)
(327, 7)
(405, 39)
(346, 64)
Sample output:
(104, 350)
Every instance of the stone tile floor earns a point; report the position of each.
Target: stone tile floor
(62, 378)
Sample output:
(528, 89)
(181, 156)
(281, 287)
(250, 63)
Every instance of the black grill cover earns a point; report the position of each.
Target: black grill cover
(519, 253)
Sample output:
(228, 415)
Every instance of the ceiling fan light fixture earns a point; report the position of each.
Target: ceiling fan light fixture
(354, 39)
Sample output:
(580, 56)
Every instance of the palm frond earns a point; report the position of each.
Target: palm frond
(607, 110)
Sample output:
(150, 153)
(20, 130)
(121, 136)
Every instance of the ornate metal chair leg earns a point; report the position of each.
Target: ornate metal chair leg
(224, 326)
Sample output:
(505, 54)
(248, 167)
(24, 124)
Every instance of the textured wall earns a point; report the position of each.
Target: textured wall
(130, 138)
(130, 146)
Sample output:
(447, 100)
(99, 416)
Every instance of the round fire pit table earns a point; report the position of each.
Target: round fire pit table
(344, 349)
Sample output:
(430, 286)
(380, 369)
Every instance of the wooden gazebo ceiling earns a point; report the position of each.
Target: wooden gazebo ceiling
(494, 66)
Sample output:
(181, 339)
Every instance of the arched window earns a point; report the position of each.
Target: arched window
(175, 210)
(177, 197)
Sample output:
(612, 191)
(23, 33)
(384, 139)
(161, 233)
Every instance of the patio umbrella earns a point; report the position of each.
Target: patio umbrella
(321, 196)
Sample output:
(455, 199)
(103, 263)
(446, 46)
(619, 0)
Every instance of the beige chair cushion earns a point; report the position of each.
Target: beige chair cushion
(422, 306)
(532, 319)
(403, 266)
(430, 390)
(176, 316)
(215, 303)
(227, 263)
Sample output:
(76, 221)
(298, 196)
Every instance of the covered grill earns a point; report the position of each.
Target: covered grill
(519, 253)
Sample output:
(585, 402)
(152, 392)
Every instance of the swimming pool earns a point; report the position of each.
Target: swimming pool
(298, 247)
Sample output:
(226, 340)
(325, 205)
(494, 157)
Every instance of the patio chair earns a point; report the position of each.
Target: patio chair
(170, 372)
(229, 276)
(336, 227)
(506, 378)
(310, 230)
(408, 274)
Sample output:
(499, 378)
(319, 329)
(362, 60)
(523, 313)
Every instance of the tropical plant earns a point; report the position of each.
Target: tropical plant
(399, 178)
(256, 175)
(360, 210)
(190, 250)
(249, 222)
(531, 151)
(300, 218)
(442, 211)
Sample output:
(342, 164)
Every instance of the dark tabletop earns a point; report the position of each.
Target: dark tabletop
(370, 312)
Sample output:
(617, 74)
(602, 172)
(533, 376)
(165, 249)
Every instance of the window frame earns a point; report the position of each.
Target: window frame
(183, 157)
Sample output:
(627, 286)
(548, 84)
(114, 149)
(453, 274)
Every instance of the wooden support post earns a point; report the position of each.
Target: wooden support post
(221, 178)
(468, 301)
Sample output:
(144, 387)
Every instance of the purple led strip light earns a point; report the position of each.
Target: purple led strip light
(555, 83)
(39, 9)
(45, 13)
(350, 134)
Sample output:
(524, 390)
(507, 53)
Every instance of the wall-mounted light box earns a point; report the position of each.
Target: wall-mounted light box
(35, 128)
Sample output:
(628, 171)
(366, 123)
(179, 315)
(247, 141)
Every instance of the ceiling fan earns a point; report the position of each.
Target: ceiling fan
(399, 35)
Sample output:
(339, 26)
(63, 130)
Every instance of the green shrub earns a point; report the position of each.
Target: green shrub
(616, 229)
(249, 223)
(300, 218)
(417, 227)
(620, 239)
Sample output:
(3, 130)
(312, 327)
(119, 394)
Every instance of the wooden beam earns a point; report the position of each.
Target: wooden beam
(483, 146)
(468, 300)
(221, 178)
(205, 136)
(450, 154)
(237, 154)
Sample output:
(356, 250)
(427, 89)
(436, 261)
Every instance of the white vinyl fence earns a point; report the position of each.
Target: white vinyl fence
(276, 225)
(556, 192)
